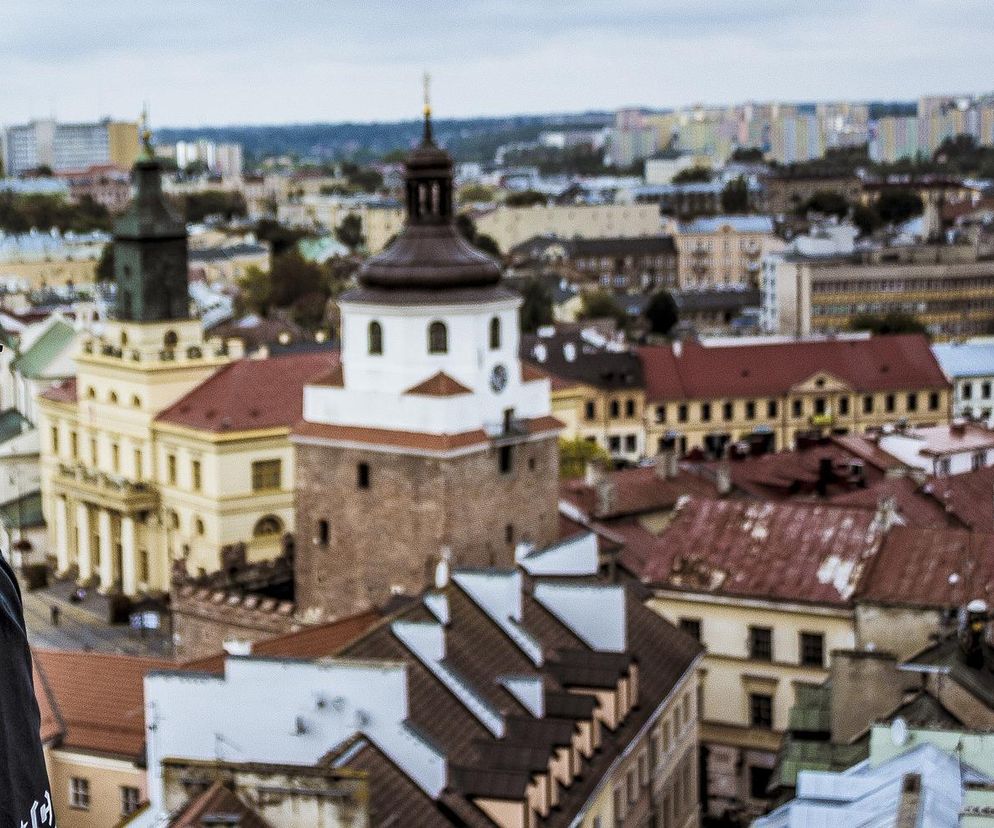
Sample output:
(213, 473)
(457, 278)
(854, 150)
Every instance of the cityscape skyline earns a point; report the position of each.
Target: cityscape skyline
(656, 55)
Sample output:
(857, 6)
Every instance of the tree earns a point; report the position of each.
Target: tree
(662, 313)
(467, 229)
(349, 232)
(292, 277)
(476, 192)
(104, 271)
(735, 196)
(896, 206)
(366, 179)
(256, 290)
(536, 309)
(894, 322)
(692, 175)
(226, 205)
(826, 202)
(280, 237)
(526, 198)
(747, 154)
(867, 219)
(575, 454)
(600, 304)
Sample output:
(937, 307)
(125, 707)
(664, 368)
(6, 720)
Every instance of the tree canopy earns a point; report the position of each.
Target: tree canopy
(601, 304)
(894, 322)
(526, 198)
(536, 310)
(349, 232)
(692, 175)
(575, 454)
(662, 313)
(735, 196)
(826, 202)
(21, 213)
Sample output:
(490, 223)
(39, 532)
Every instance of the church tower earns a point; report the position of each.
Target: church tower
(429, 441)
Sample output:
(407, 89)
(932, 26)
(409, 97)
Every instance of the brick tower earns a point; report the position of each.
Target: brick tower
(429, 441)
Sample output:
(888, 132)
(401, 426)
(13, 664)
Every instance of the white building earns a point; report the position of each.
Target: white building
(943, 449)
(970, 367)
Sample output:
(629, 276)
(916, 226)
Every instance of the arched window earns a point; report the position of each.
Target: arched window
(494, 334)
(268, 525)
(170, 339)
(136, 401)
(91, 393)
(438, 338)
(375, 338)
(112, 398)
(199, 524)
(124, 339)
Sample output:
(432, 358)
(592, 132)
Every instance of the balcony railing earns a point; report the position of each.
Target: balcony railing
(109, 490)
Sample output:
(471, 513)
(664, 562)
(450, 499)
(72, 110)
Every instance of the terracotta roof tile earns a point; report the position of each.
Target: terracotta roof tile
(63, 392)
(776, 550)
(967, 496)
(249, 394)
(217, 806)
(439, 385)
(878, 363)
(97, 697)
(333, 378)
(529, 373)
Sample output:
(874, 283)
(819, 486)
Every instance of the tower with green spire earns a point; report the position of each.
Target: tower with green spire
(150, 256)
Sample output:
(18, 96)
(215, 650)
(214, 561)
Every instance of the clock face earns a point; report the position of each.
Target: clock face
(498, 378)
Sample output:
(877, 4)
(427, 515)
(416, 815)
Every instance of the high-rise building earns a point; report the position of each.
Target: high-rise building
(896, 137)
(63, 147)
(795, 138)
(429, 442)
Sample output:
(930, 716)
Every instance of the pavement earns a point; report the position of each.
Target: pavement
(84, 626)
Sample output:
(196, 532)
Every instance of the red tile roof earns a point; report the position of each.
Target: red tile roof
(439, 385)
(781, 551)
(966, 496)
(96, 699)
(334, 377)
(413, 439)
(879, 363)
(249, 394)
(937, 567)
(635, 491)
(218, 805)
(63, 392)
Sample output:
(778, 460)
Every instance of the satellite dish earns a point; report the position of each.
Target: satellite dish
(899, 732)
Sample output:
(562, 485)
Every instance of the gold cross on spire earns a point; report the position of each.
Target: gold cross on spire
(427, 86)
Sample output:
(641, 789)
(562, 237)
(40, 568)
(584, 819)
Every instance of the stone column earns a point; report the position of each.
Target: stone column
(129, 565)
(83, 549)
(105, 530)
(61, 534)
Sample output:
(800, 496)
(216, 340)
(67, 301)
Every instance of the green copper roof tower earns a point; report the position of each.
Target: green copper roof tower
(150, 264)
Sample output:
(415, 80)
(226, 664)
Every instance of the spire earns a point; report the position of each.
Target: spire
(145, 136)
(427, 138)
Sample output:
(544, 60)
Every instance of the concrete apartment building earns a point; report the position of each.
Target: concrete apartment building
(948, 288)
(62, 146)
(723, 250)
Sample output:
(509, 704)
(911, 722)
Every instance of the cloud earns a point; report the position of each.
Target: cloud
(253, 61)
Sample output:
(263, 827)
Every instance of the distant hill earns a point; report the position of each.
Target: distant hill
(468, 139)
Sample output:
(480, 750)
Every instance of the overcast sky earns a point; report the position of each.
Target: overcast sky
(271, 61)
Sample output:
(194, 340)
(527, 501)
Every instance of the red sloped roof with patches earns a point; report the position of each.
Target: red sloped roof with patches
(439, 385)
(250, 394)
(635, 491)
(780, 551)
(931, 567)
(878, 363)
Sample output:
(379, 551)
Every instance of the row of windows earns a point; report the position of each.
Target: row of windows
(614, 409)
(80, 797)
(112, 397)
(811, 646)
(819, 406)
(264, 526)
(983, 388)
(438, 337)
(898, 285)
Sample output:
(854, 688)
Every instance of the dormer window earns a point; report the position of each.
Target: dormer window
(438, 338)
(494, 334)
(375, 339)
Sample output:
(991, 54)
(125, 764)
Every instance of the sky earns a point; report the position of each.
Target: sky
(215, 62)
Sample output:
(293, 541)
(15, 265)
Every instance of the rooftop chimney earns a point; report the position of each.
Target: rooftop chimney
(605, 498)
(958, 427)
(973, 621)
(667, 464)
(825, 475)
(886, 512)
(593, 472)
(723, 478)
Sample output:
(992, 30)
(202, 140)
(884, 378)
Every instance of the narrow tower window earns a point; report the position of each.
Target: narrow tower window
(375, 338)
(494, 334)
(362, 475)
(438, 338)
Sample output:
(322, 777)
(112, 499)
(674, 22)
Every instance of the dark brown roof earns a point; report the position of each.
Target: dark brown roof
(249, 394)
(93, 701)
(63, 391)
(571, 358)
(788, 551)
(439, 385)
(878, 363)
(218, 805)
(479, 652)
